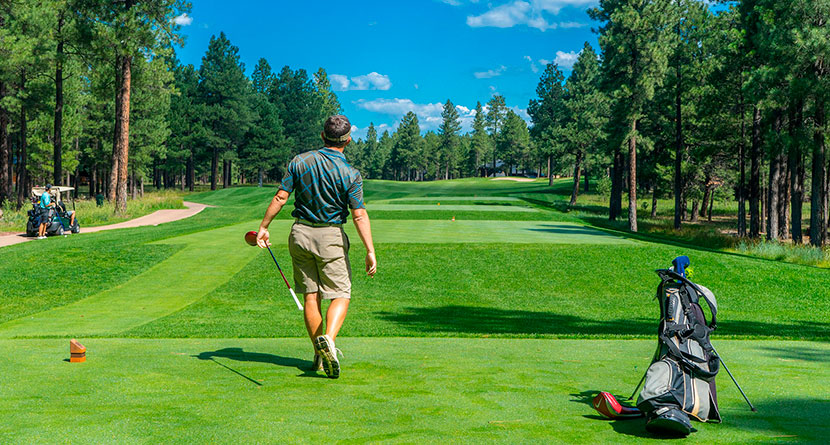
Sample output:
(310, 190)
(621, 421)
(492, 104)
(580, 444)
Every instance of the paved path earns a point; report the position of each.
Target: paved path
(153, 219)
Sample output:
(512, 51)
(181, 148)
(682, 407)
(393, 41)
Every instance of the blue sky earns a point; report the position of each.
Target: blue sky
(385, 58)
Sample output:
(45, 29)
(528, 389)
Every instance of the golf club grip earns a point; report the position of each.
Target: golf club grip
(296, 300)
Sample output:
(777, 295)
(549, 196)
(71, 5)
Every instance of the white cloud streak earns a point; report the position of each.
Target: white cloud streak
(371, 81)
(531, 13)
(490, 73)
(566, 60)
(183, 19)
(429, 115)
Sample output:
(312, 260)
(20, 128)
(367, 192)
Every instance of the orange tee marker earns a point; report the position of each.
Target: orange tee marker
(77, 352)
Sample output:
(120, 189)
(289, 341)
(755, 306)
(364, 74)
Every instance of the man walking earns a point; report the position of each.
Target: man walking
(326, 188)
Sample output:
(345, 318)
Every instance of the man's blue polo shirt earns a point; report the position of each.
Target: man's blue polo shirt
(325, 186)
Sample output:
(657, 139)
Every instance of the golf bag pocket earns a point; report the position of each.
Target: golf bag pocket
(667, 384)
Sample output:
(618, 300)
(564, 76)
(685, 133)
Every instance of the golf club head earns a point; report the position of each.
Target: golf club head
(250, 238)
(607, 405)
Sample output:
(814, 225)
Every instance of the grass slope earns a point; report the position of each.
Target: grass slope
(397, 390)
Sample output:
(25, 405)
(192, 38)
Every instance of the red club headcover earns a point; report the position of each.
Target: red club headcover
(608, 406)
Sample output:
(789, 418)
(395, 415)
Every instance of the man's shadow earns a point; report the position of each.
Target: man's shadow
(238, 354)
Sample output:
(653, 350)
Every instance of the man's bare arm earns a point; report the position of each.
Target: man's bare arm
(263, 237)
(364, 229)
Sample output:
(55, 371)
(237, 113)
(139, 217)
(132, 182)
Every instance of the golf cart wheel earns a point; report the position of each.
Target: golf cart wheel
(76, 228)
(59, 231)
(30, 230)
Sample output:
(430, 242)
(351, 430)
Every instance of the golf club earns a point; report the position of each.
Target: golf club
(734, 381)
(250, 238)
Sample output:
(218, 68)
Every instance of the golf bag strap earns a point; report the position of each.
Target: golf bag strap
(665, 273)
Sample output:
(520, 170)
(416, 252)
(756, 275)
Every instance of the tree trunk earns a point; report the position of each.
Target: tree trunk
(586, 181)
(742, 180)
(58, 129)
(124, 136)
(230, 172)
(695, 210)
(22, 172)
(772, 198)
(632, 177)
(796, 165)
(260, 174)
(577, 169)
(783, 197)
(191, 172)
(707, 195)
(615, 206)
(5, 158)
(654, 201)
(755, 176)
(214, 168)
(678, 150)
(550, 170)
(711, 204)
(93, 182)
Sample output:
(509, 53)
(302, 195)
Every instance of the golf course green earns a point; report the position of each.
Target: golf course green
(492, 318)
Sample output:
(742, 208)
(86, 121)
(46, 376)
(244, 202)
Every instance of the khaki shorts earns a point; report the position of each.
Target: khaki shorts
(320, 256)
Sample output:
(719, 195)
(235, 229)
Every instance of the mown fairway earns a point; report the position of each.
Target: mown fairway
(191, 336)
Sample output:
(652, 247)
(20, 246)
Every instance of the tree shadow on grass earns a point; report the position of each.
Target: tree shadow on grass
(806, 353)
(571, 230)
(472, 320)
(238, 354)
(804, 420)
(483, 320)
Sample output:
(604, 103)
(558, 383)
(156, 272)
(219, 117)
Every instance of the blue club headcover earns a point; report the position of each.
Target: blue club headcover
(680, 264)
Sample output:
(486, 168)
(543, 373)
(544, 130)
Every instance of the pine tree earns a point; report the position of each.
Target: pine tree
(496, 111)
(223, 94)
(548, 113)
(449, 133)
(480, 143)
(633, 39)
(586, 108)
(407, 151)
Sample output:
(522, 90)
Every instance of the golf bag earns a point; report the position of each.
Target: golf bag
(681, 379)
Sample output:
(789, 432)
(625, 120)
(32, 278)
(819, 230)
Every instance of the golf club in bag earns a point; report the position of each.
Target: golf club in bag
(250, 238)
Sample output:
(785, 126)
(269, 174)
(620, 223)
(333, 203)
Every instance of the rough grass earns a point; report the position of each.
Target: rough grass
(90, 215)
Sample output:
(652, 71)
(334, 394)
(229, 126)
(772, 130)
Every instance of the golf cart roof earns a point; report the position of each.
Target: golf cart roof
(37, 191)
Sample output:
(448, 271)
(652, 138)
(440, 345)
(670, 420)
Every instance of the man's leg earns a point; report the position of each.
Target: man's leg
(335, 316)
(41, 230)
(313, 315)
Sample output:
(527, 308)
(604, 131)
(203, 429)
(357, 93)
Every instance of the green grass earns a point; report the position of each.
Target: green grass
(496, 327)
(90, 215)
(433, 391)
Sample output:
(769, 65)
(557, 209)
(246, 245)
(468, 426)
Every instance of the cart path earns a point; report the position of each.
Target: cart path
(153, 219)
(149, 295)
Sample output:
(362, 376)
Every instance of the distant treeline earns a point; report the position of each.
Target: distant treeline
(685, 99)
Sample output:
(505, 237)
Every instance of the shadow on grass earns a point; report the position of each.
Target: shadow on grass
(572, 230)
(630, 427)
(805, 353)
(803, 420)
(472, 320)
(238, 354)
(483, 320)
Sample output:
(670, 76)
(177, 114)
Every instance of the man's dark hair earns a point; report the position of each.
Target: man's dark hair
(336, 130)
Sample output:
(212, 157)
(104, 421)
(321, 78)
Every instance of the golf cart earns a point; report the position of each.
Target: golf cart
(57, 218)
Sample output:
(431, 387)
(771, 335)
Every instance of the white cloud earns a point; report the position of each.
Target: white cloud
(371, 81)
(490, 73)
(531, 13)
(566, 60)
(544, 61)
(339, 82)
(533, 66)
(429, 115)
(183, 19)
